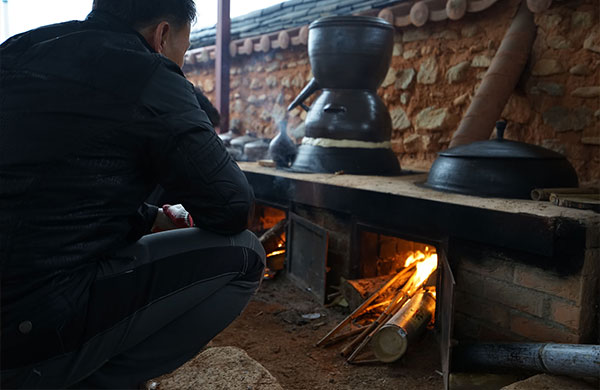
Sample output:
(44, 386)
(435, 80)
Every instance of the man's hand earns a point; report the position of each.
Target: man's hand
(172, 217)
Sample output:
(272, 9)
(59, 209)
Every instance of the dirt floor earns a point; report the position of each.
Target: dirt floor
(273, 332)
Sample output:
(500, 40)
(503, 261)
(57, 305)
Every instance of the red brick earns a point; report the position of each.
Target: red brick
(469, 282)
(567, 287)
(491, 313)
(565, 313)
(538, 330)
(492, 267)
(516, 297)
(465, 327)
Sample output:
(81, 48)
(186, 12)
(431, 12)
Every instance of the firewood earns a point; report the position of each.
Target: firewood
(359, 310)
(545, 193)
(343, 336)
(583, 201)
(272, 239)
(357, 290)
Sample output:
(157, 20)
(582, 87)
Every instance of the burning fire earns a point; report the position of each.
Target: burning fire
(275, 253)
(426, 264)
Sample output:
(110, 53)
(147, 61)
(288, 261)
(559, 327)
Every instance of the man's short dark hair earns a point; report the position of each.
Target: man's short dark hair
(142, 13)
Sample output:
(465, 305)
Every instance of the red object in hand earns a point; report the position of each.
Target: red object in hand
(178, 215)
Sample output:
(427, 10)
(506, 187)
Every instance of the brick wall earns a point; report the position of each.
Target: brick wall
(500, 298)
(434, 73)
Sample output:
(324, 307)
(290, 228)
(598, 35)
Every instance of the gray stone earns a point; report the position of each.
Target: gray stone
(399, 119)
(426, 50)
(592, 42)
(235, 83)
(547, 67)
(428, 71)
(417, 34)
(481, 61)
(581, 20)
(449, 35)
(265, 115)
(285, 82)
(255, 84)
(405, 98)
(252, 99)
(298, 81)
(390, 78)
(220, 368)
(238, 106)
(408, 54)
(431, 118)
(291, 64)
(552, 89)
(555, 145)
(271, 81)
(208, 86)
(259, 68)
(469, 31)
(558, 42)
(587, 92)
(564, 119)
(580, 70)
(273, 66)
(549, 21)
(405, 78)
(398, 49)
(458, 72)
(413, 143)
(261, 98)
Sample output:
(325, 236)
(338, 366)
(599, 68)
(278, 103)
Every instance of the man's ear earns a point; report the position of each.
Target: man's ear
(157, 36)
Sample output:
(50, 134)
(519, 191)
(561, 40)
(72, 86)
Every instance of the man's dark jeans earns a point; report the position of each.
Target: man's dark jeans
(153, 307)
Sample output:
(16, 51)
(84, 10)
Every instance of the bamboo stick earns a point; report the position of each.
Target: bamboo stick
(359, 310)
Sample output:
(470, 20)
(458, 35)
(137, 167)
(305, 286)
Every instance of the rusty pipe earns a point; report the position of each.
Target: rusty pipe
(499, 81)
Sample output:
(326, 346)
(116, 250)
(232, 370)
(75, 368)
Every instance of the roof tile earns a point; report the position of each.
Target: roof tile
(282, 16)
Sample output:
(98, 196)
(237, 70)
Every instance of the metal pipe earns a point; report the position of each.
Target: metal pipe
(578, 360)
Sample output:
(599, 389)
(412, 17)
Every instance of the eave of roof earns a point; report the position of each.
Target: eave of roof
(286, 15)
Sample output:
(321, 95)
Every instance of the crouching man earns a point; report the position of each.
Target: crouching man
(94, 115)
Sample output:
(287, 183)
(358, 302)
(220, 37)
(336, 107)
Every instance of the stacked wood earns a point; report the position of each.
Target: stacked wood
(587, 198)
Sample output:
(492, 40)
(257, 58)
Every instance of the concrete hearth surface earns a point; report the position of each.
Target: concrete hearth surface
(549, 382)
(219, 368)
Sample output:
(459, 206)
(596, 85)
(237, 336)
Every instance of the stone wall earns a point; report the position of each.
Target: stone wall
(435, 71)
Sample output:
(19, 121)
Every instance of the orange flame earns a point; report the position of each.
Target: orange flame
(424, 269)
(276, 253)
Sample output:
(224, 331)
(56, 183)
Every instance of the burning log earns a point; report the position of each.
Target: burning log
(359, 310)
(273, 239)
(424, 270)
(358, 290)
(391, 341)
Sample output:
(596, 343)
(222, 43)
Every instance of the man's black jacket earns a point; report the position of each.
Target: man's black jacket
(91, 120)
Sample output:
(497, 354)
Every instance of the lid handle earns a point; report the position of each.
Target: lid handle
(500, 127)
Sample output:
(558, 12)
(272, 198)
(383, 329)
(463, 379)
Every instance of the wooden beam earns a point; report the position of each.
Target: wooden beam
(222, 63)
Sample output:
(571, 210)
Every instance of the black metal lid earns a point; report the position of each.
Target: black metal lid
(502, 148)
(351, 20)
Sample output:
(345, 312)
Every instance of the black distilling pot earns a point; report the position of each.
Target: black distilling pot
(500, 168)
(350, 51)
